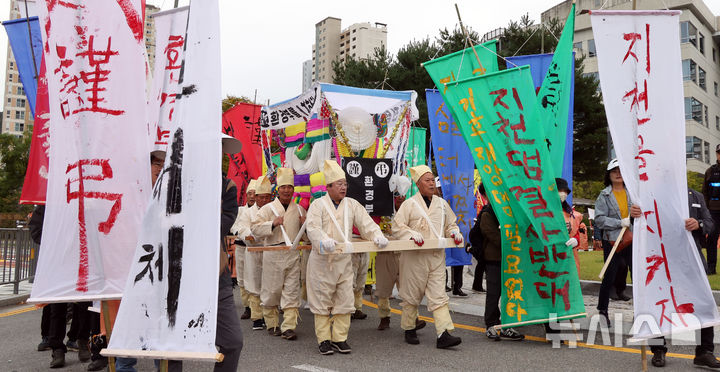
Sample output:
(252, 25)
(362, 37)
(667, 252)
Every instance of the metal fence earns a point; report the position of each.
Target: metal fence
(18, 257)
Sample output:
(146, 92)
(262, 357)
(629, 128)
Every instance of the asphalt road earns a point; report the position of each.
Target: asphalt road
(372, 350)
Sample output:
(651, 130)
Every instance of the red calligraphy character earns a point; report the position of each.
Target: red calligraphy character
(162, 136)
(172, 52)
(535, 170)
(632, 38)
(546, 232)
(637, 96)
(550, 274)
(564, 292)
(641, 157)
(560, 255)
(99, 74)
(520, 126)
(538, 256)
(686, 308)
(537, 202)
(655, 261)
(81, 195)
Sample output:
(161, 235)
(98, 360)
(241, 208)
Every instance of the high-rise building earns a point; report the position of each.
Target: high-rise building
(332, 43)
(17, 117)
(307, 75)
(700, 50)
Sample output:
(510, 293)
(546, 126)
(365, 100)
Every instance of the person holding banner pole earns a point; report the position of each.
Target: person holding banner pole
(279, 223)
(330, 220)
(422, 272)
(240, 246)
(613, 213)
(711, 192)
(252, 277)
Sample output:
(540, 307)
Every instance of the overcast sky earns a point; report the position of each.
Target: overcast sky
(265, 42)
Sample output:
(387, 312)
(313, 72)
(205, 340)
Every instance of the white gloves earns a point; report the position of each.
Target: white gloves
(457, 237)
(328, 246)
(381, 242)
(572, 243)
(625, 222)
(417, 237)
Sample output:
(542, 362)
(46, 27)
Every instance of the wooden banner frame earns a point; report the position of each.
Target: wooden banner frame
(166, 355)
(362, 246)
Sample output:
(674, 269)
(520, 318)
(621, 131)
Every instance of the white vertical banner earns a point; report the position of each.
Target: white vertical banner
(99, 179)
(170, 29)
(170, 299)
(641, 80)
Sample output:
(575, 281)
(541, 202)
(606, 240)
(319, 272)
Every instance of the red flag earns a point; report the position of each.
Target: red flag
(35, 184)
(243, 123)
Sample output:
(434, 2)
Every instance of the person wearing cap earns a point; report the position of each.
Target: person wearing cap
(711, 192)
(573, 220)
(330, 220)
(278, 223)
(613, 211)
(422, 272)
(252, 277)
(240, 246)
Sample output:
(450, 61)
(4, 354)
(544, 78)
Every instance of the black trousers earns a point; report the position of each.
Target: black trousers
(706, 342)
(45, 322)
(493, 288)
(608, 282)
(81, 324)
(479, 271)
(712, 243)
(56, 335)
(457, 277)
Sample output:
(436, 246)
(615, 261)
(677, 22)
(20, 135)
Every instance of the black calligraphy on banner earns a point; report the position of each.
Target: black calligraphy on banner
(295, 111)
(369, 183)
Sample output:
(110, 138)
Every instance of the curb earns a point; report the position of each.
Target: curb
(592, 288)
(14, 300)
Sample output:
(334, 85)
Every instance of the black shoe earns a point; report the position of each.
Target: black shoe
(706, 359)
(419, 324)
(58, 359)
(478, 290)
(459, 293)
(492, 334)
(274, 331)
(71, 345)
(98, 364)
(258, 324)
(289, 335)
(358, 314)
(447, 340)
(511, 334)
(325, 348)
(44, 344)
(342, 347)
(614, 296)
(448, 289)
(83, 351)
(246, 314)
(411, 337)
(605, 317)
(658, 359)
(384, 323)
(623, 297)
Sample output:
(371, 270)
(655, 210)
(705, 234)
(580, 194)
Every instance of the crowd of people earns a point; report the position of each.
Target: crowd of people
(276, 282)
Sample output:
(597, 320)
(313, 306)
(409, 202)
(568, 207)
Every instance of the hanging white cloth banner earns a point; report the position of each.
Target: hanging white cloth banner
(169, 50)
(641, 79)
(99, 179)
(170, 299)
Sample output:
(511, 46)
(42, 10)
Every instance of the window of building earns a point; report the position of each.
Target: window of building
(354, 32)
(692, 148)
(701, 78)
(707, 117)
(693, 109)
(717, 122)
(714, 55)
(701, 43)
(9, 101)
(10, 76)
(578, 45)
(21, 102)
(688, 33)
(591, 48)
(715, 85)
(12, 64)
(21, 91)
(354, 37)
(353, 47)
(7, 115)
(706, 147)
(688, 69)
(19, 127)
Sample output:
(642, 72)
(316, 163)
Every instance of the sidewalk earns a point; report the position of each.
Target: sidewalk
(8, 298)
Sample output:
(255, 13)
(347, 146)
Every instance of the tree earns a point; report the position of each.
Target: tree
(229, 101)
(14, 155)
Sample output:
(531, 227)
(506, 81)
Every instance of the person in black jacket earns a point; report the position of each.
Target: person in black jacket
(475, 247)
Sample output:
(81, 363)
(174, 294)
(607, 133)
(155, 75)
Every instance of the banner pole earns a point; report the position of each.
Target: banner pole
(164, 365)
(643, 357)
(108, 331)
(467, 36)
(612, 253)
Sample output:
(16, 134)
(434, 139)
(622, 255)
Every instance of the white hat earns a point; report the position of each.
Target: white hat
(332, 172)
(419, 171)
(613, 164)
(264, 186)
(230, 145)
(252, 186)
(285, 176)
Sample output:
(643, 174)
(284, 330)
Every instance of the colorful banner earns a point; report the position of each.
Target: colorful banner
(170, 29)
(642, 90)
(36, 176)
(455, 167)
(463, 64)
(99, 178)
(368, 183)
(171, 296)
(243, 122)
(499, 112)
(23, 50)
(415, 154)
(539, 67)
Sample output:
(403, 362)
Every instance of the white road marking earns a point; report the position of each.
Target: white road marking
(311, 368)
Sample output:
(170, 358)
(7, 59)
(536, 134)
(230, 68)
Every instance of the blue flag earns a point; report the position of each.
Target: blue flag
(23, 50)
(539, 65)
(456, 169)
